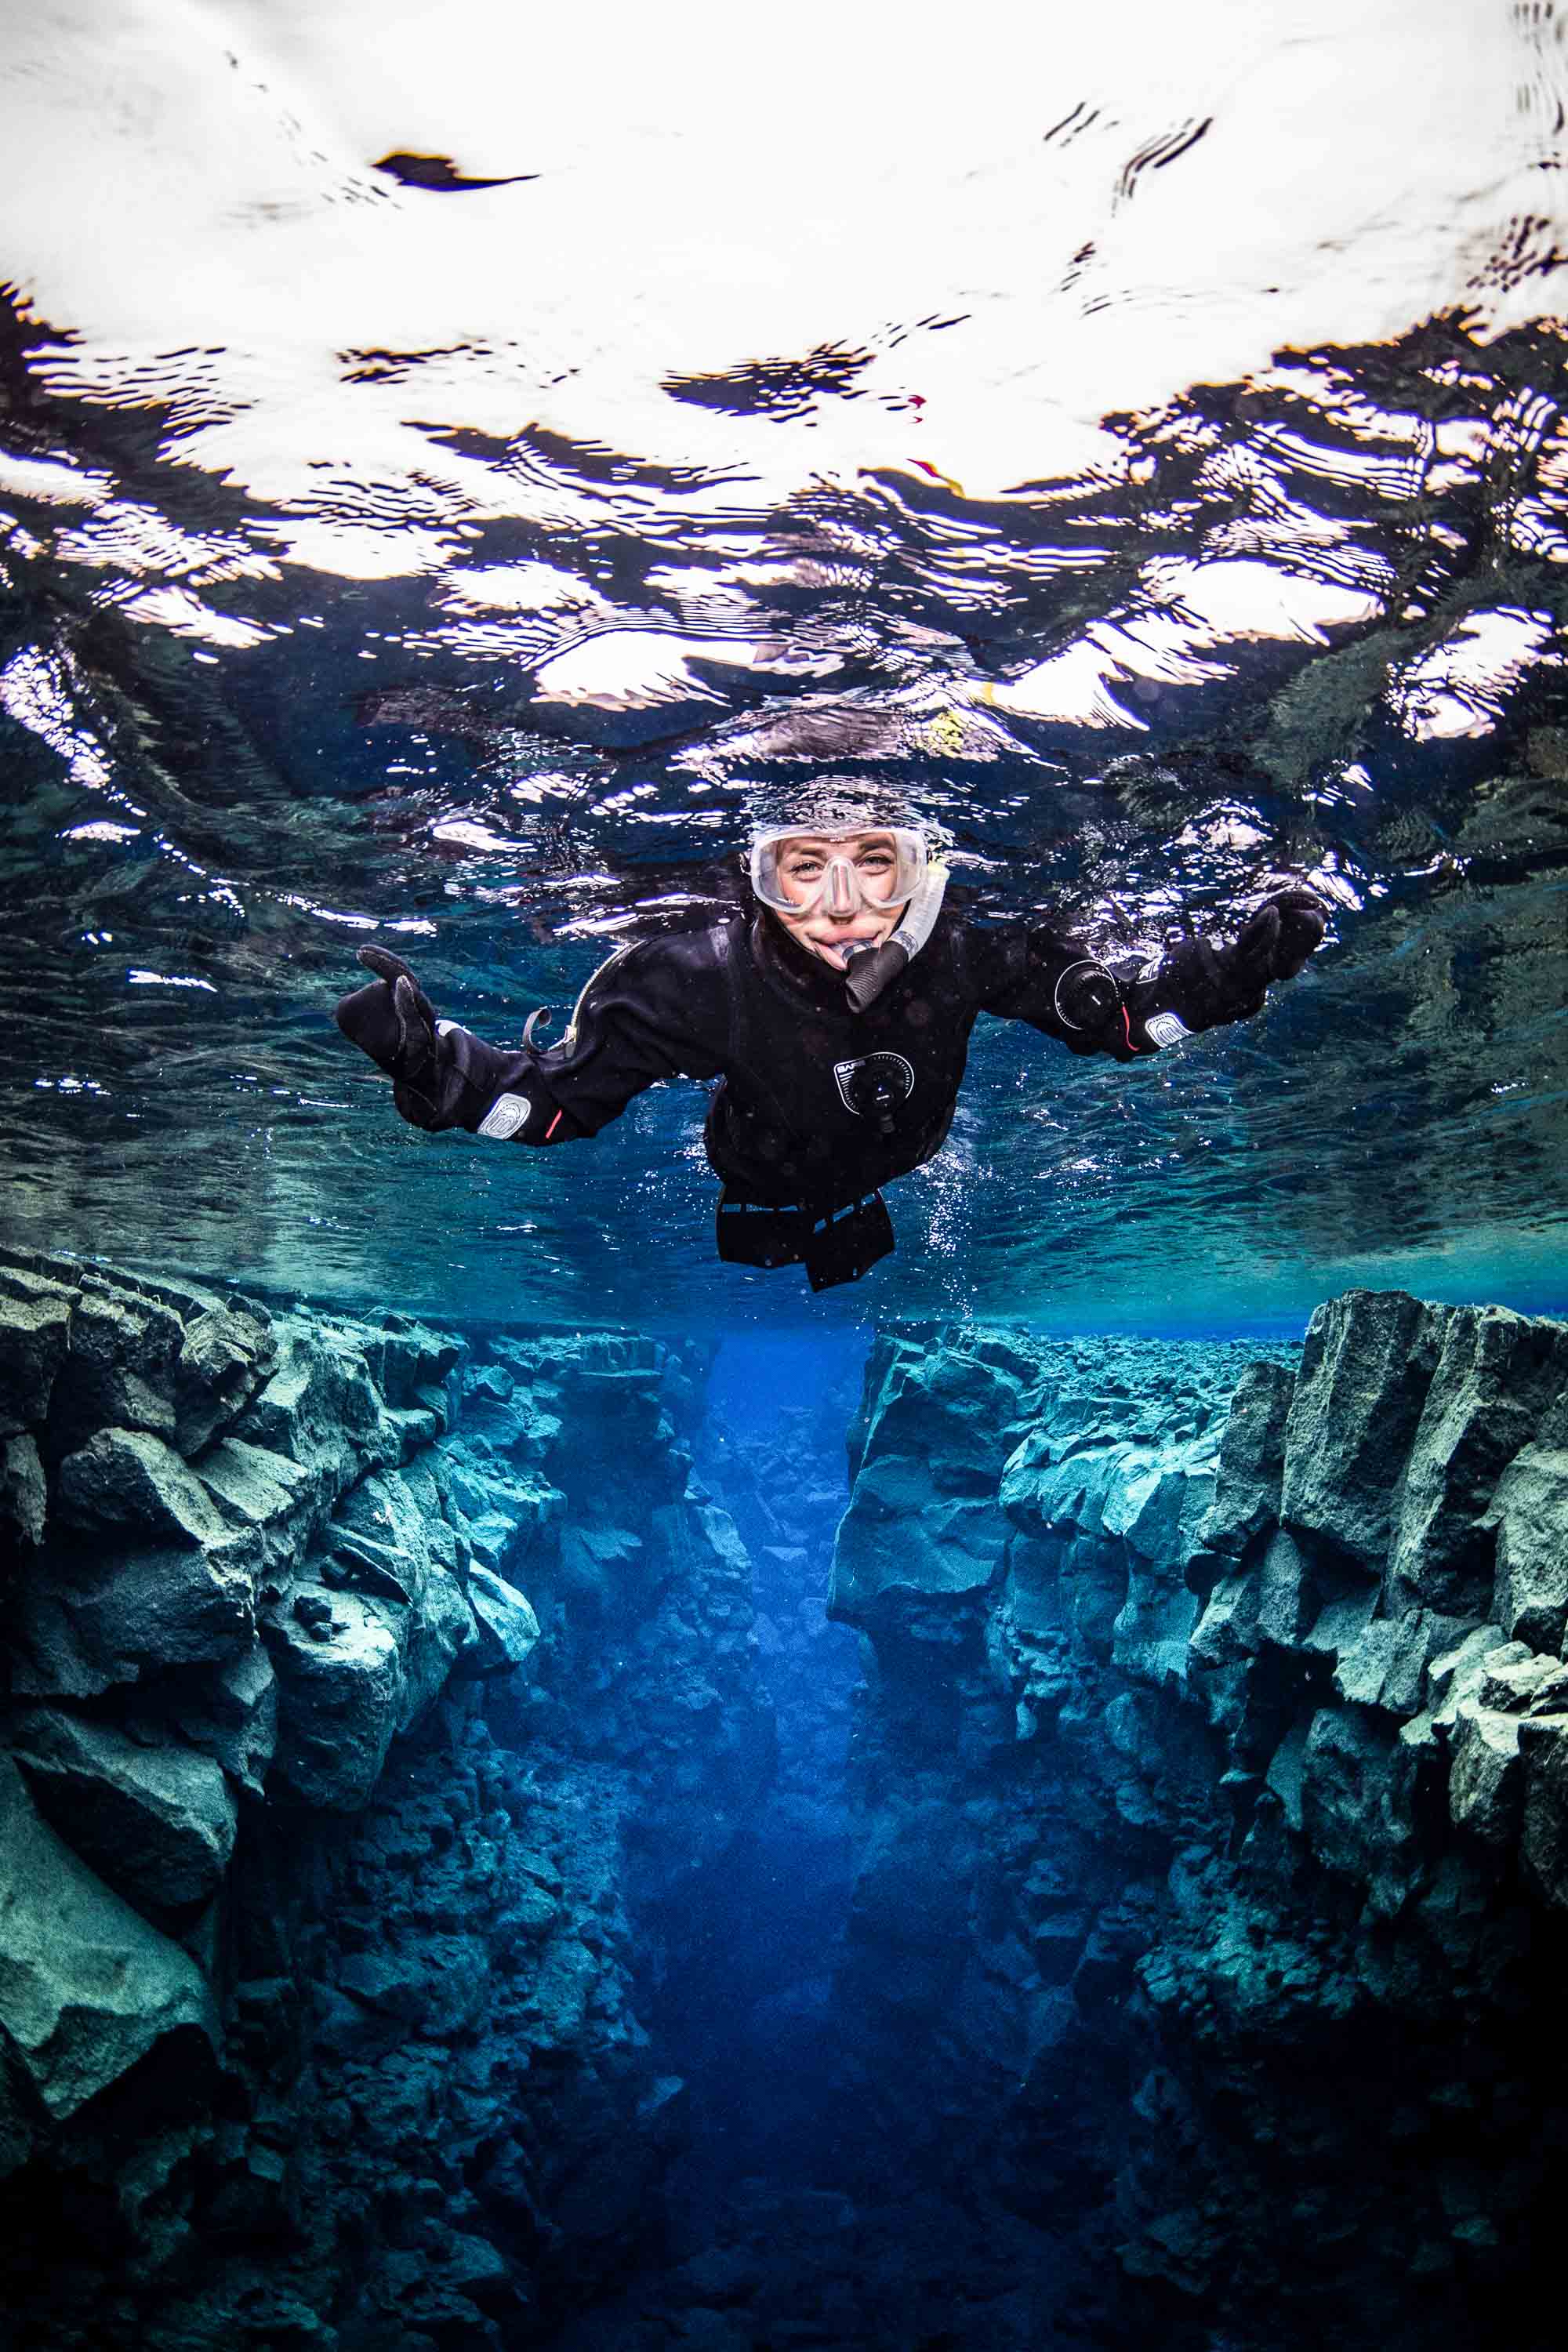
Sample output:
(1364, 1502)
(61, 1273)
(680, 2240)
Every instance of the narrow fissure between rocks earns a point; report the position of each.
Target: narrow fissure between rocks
(505, 1844)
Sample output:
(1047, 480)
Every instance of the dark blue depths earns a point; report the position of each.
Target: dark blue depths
(489, 1901)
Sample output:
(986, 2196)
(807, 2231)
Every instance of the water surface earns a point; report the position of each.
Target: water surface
(450, 482)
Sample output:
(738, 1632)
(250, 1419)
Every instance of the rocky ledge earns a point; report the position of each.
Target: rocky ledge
(321, 1843)
(1214, 1785)
(384, 1751)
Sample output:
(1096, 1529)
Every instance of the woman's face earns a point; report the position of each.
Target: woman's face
(840, 887)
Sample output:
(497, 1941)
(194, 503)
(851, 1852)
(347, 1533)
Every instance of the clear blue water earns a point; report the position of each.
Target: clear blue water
(458, 471)
(1153, 460)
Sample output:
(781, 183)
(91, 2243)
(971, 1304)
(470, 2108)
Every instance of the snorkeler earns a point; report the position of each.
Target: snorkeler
(835, 1008)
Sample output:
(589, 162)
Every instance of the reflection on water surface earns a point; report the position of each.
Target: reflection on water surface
(447, 486)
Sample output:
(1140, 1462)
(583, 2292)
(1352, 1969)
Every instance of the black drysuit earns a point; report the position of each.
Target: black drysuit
(818, 1105)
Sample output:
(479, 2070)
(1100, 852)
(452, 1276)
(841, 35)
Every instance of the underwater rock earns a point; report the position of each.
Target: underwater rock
(340, 1695)
(1529, 1510)
(1251, 1461)
(945, 1543)
(1291, 1592)
(392, 1543)
(1485, 1778)
(1382, 1663)
(35, 1326)
(320, 1409)
(128, 1477)
(1366, 1364)
(23, 1493)
(251, 1644)
(255, 1489)
(1279, 1801)
(232, 1716)
(157, 1824)
(87, 1986)
(1228, 1629)
(923, 1514)
(1355, 1801)
(1496, 1377)
(507, 1628)
(122, 1615)
(170, 1358)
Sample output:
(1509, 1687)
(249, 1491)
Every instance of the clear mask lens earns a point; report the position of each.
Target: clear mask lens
(805, 872)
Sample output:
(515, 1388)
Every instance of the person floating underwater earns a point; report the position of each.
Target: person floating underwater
(835, 1008)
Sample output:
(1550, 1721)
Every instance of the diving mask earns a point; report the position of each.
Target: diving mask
(801, 870)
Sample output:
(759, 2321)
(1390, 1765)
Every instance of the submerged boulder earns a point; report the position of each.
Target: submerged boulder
(172, 1359)
(106, 1615)
(391, 1542)
(507, 1630)
(225, 1355)
(1250, 1467)
(1529, 1510)
(264, 1491)
(1486, 1776)
(34, 1328)
(925, 1516)
(340, 1668)
(1495, 1377)
(1365, 1367)
(231, 1715)
(24, 1490)
(128, 1477)
(899, 1537)
(87, 1988)
(156, 1822)
(320, 1408)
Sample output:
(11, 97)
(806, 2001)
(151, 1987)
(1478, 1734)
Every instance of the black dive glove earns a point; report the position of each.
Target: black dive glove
(1204, 985)
(393, 1022)
(442, 1075)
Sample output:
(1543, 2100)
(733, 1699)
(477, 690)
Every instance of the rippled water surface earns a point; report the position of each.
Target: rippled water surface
(455, 472)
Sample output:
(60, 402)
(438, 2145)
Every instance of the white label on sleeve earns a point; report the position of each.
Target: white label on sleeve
(1151, 970)
(1163, 1029)
(507, 1116)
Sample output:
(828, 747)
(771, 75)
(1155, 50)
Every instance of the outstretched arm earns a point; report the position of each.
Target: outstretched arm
(1058, 984)
(624, 1037)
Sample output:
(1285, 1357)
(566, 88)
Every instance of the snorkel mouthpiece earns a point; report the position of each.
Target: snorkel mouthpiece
(869, 970)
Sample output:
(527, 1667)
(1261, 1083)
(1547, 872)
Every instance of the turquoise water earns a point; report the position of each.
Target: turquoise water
(1153, 462)
(457, 473)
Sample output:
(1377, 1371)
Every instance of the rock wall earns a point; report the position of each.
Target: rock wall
(1216, 1788)
(322, 1845)
(388, 1783)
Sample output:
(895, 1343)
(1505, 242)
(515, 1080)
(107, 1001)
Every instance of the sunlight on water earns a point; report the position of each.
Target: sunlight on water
(448, 485)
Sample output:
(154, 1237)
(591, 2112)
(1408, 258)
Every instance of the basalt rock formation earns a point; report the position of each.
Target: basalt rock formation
(321, 1843)
(1214, 1906)
(389, 1799)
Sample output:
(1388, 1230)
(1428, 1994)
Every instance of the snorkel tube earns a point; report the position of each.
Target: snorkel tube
(869, 969)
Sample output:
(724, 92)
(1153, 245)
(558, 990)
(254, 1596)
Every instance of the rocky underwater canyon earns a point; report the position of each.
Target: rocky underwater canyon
(500, 1850)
